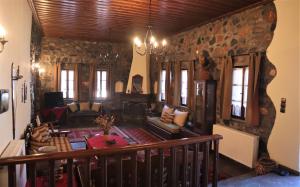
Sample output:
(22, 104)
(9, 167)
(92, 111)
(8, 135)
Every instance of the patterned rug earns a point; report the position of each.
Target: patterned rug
(132, 135)
(140, 136)
(77, 135)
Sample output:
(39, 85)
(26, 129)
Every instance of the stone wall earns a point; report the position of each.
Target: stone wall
(35, 53)
(241, 33)
(56, 50)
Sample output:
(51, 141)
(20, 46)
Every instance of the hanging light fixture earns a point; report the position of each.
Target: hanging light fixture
(150, 45)
(2, 38)
(107, 53)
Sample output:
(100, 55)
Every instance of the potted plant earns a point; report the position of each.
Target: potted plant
(105, 122)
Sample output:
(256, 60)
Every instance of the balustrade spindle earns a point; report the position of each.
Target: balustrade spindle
(185, 165)
(134, 169)
(173, 167)
(161, 167)
(32, 174)
(205, 166)
(148, 167)
(120, 172)
(103, 171)
(70, 172)
(216, 163)
(196, 165)
(51, 173)
(12, 175)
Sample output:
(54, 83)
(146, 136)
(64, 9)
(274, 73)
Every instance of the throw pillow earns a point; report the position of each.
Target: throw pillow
(167, 118)
(73, 107)
(180, 117)
(41, 133)
(96, 107)
(167, 109)
(84, 106)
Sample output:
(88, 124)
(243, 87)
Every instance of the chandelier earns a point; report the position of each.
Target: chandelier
(149, 45)
(107, 53)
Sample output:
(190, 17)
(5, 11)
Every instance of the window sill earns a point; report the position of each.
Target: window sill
(238, 120)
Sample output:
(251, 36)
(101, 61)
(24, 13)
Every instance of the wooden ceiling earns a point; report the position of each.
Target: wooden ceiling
(121, 20)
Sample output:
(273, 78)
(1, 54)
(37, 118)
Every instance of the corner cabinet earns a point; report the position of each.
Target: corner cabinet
(205, 106)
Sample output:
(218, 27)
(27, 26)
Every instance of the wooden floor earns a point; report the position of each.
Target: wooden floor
(269, 180)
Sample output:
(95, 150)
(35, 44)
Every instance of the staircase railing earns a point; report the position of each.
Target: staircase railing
(192, 169)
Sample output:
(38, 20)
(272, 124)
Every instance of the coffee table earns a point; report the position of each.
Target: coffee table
(102, 141)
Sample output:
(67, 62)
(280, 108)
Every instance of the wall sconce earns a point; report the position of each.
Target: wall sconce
(2, 38)
(35, 66)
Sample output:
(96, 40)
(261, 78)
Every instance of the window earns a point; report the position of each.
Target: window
(163, 85)
(67, 83)
(184, 87)
(239, 92)
(101, 91)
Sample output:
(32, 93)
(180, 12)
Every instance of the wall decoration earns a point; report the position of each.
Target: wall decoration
(15, 76)
(4, 100)
(137, 84)
(24, 92)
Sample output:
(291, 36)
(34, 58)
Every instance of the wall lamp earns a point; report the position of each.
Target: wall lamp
(2, 38)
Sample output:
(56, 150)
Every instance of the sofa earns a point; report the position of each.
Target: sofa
(169, 129)
(83, 114)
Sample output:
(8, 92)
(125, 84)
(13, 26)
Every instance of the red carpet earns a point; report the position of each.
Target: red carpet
(140, 136)
(77, 135)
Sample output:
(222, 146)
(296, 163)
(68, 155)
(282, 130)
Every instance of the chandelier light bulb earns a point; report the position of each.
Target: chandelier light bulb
(137, 41)
(155, 44)
(42, 70)
(2, 32)
(152, 40)
(164, 42)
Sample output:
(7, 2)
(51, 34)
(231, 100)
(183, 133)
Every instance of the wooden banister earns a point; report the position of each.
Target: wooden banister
(183, 163)
(109, 151)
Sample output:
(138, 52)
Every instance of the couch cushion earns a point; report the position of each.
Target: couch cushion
(84, 106)
(84, 114)
(96, 107)
(180, 117)
(167, 117)
(167, 109)
(73, 107)
(167, 126)
(41, 133)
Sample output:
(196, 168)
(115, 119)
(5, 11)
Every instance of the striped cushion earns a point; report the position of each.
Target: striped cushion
(167, 117)
(40, 134)
(62, 144)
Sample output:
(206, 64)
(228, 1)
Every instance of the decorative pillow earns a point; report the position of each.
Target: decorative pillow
(180, 117)
(96, 107)
(167, 117)
(73, 107)
(40, 134)
(84, 106)
(167, 109)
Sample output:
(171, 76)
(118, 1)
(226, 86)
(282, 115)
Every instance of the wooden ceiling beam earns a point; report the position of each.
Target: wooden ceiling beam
(35, 15)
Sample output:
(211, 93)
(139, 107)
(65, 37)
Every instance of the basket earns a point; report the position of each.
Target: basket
(265, 165)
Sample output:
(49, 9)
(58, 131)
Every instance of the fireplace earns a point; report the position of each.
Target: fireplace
(134, 106)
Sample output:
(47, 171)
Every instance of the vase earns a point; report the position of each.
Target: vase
(106, 132)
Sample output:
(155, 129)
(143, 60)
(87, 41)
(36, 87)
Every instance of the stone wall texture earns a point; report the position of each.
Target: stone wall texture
(241, 33)
(65, 51)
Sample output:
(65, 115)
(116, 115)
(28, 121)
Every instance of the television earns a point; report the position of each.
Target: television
(54, 99)
(4, 100)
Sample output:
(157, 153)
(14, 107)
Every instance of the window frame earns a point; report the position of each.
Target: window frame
(160, 90)
(243, 109)
(187, 87)
(100, 84)
(67, 83)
